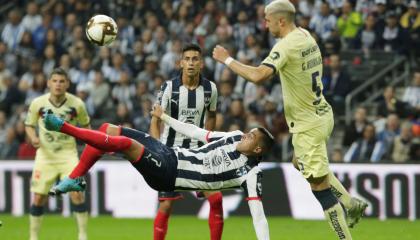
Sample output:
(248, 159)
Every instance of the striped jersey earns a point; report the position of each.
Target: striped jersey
(188, 106)
(218, 165)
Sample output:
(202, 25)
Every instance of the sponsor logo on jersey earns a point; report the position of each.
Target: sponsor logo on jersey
(190, 112)
(226, 158)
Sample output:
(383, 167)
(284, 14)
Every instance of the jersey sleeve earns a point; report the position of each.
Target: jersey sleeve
(277, 57)
(33, 115)
(164, 96)
(253, 184)
(82, 115)
(215, 135)
(213, 99)
(253, 190)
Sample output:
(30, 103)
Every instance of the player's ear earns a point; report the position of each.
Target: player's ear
(181, 63)
(258, 150)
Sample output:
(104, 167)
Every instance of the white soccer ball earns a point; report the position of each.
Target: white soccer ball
(101, 30)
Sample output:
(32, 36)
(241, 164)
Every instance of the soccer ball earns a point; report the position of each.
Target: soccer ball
(101, 30)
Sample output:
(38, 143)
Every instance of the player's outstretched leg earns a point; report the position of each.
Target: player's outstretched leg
(88, 157)
(354, 206)
(94, 138)
(68, 185)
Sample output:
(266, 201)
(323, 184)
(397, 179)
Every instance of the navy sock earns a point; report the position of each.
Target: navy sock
(36, 210)
(326, 198)
(79, 207)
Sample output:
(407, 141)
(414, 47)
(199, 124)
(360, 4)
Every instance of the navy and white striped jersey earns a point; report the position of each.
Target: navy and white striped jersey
(188, 106)
(218, 165)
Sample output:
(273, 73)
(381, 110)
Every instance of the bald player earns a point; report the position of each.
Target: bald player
(297, 60)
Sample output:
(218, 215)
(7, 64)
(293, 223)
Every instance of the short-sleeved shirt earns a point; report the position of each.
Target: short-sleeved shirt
(297, 60)
(189, 106)
(55, 146)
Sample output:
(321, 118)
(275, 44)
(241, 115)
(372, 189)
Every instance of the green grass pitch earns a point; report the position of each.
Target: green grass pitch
(190, 228)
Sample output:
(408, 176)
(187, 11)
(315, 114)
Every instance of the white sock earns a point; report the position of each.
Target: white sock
(339, 191)
(82, 218)
(34, 226)
(335, 217)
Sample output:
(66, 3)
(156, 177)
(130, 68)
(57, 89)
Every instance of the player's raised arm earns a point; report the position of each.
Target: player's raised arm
(189, 130)
(254, 74)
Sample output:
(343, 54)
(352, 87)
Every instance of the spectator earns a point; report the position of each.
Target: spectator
(124, 90)
(390, 104)
(236, 115)
(40, 33)
(365, 7)
(411, 22)
(362, 149)
(324, 22)
(168, 63)
(225, 97)
(50, 60)
(393, 37)
(114, 72)
(32, 19)
(123, 116)
(411, 95)
(142, 120)
(151, 69)
(402, 145)
(10, 149)
(10, 96)
(368, 37)
(337, 155)
(13, 30)
(242, 29)
(385, 138)
(355, 130)
(336, 83)
(349, 23)
(98, 99)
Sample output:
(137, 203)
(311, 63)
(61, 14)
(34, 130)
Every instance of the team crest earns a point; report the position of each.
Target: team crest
(275, 56)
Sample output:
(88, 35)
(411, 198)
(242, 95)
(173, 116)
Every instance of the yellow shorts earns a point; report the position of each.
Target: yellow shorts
(45, 174)
(310, 148)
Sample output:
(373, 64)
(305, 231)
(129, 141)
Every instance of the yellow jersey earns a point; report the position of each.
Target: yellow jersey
(56, 146)
(297, 60)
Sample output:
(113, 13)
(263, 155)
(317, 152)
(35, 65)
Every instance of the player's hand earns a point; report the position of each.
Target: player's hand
(35, 142)
(156, 111)
(220, 54)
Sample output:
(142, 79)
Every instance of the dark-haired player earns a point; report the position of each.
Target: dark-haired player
(229, 160)
(189, 98)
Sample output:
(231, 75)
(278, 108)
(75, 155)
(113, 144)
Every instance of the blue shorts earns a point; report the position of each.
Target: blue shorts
(159, 163)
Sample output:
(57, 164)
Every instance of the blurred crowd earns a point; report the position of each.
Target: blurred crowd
(119, 83)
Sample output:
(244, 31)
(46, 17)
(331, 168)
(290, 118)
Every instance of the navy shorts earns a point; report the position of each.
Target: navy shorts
(158, 165)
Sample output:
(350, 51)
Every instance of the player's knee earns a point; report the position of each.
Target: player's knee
(326, 198)
(103, 128)
(39, 200)
(165, 206)
(110, 129)
(317, 181)
(77, 197)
